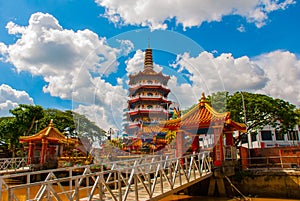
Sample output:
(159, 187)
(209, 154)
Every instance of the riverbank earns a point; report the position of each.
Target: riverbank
(269, 183)
(261, 183)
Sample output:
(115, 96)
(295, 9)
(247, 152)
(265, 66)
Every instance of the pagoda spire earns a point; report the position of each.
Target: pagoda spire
(148, 62)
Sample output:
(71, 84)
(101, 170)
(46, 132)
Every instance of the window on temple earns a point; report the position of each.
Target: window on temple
(150, 82)
(150, 94)
(266, 135)
(149, 106)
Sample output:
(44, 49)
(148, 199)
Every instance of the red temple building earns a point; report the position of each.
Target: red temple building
(45, 146)
(148, 101)
(149, 117)
(204, 121)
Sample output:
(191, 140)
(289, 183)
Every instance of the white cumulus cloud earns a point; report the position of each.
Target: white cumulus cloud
(11, 98)
(275, 73)
(72, 63)
(189, 13)
(283, 70)
(45, 48)
(222, 72)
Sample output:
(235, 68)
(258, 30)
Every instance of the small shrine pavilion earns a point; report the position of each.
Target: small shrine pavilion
(46, 145)
(203, 120)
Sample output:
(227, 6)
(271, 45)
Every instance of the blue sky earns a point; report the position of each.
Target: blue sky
(73, 54)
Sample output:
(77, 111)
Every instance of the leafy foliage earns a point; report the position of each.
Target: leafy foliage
(29, 119)
(9, 133)
(219, 101)
(256, 110)
(26, 116)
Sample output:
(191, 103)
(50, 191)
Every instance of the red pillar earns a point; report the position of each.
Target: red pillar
(229, 138)
(43, 151)
(218, 148)
(195, 144)
(30, 153)
(179, 144)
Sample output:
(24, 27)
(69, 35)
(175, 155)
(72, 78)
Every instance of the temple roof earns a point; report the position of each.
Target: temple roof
(148, 69)
(203, 115)
(49, 133)
(200, 116)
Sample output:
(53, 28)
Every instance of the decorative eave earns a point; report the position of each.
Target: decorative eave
(147, 112)
(133, 90)
(152, 74)
(148, 99)
(49, 133)
(202, 116)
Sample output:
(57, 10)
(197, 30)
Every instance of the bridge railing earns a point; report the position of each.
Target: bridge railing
(10, 164)
(271, 162)
(141, 181)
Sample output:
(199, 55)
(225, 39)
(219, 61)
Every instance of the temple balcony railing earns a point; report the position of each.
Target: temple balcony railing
(147, 96)
(139, 123)
(149, 84)
(149, 110)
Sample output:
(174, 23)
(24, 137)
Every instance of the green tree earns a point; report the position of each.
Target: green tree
(62, 120)
(29, 119)
(86, 128)
(9, 133)
(218, 101)
(26, 117)
(258, 110)
(298, 115)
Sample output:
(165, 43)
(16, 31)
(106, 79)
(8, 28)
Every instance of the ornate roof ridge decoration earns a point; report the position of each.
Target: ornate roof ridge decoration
(202, 114)
(204, 103)
(50, 133)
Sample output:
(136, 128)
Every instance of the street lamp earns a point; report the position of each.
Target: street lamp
(245, 121)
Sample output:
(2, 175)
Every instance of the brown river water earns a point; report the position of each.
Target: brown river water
(21, 194)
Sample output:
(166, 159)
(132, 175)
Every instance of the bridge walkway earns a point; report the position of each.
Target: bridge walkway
(151, 178)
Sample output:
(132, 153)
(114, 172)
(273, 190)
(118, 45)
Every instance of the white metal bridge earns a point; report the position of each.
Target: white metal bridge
(146, 178)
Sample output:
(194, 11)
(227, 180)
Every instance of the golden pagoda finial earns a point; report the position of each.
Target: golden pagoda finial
(51, 123)
(203, 99)
(148, 42)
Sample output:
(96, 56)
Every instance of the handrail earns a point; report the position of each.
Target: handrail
(271, 162)
(8, 164)
(140, 181)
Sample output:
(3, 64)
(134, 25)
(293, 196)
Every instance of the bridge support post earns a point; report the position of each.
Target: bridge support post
(216, 185)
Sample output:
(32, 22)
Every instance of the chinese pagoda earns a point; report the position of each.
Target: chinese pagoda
(148, 101)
